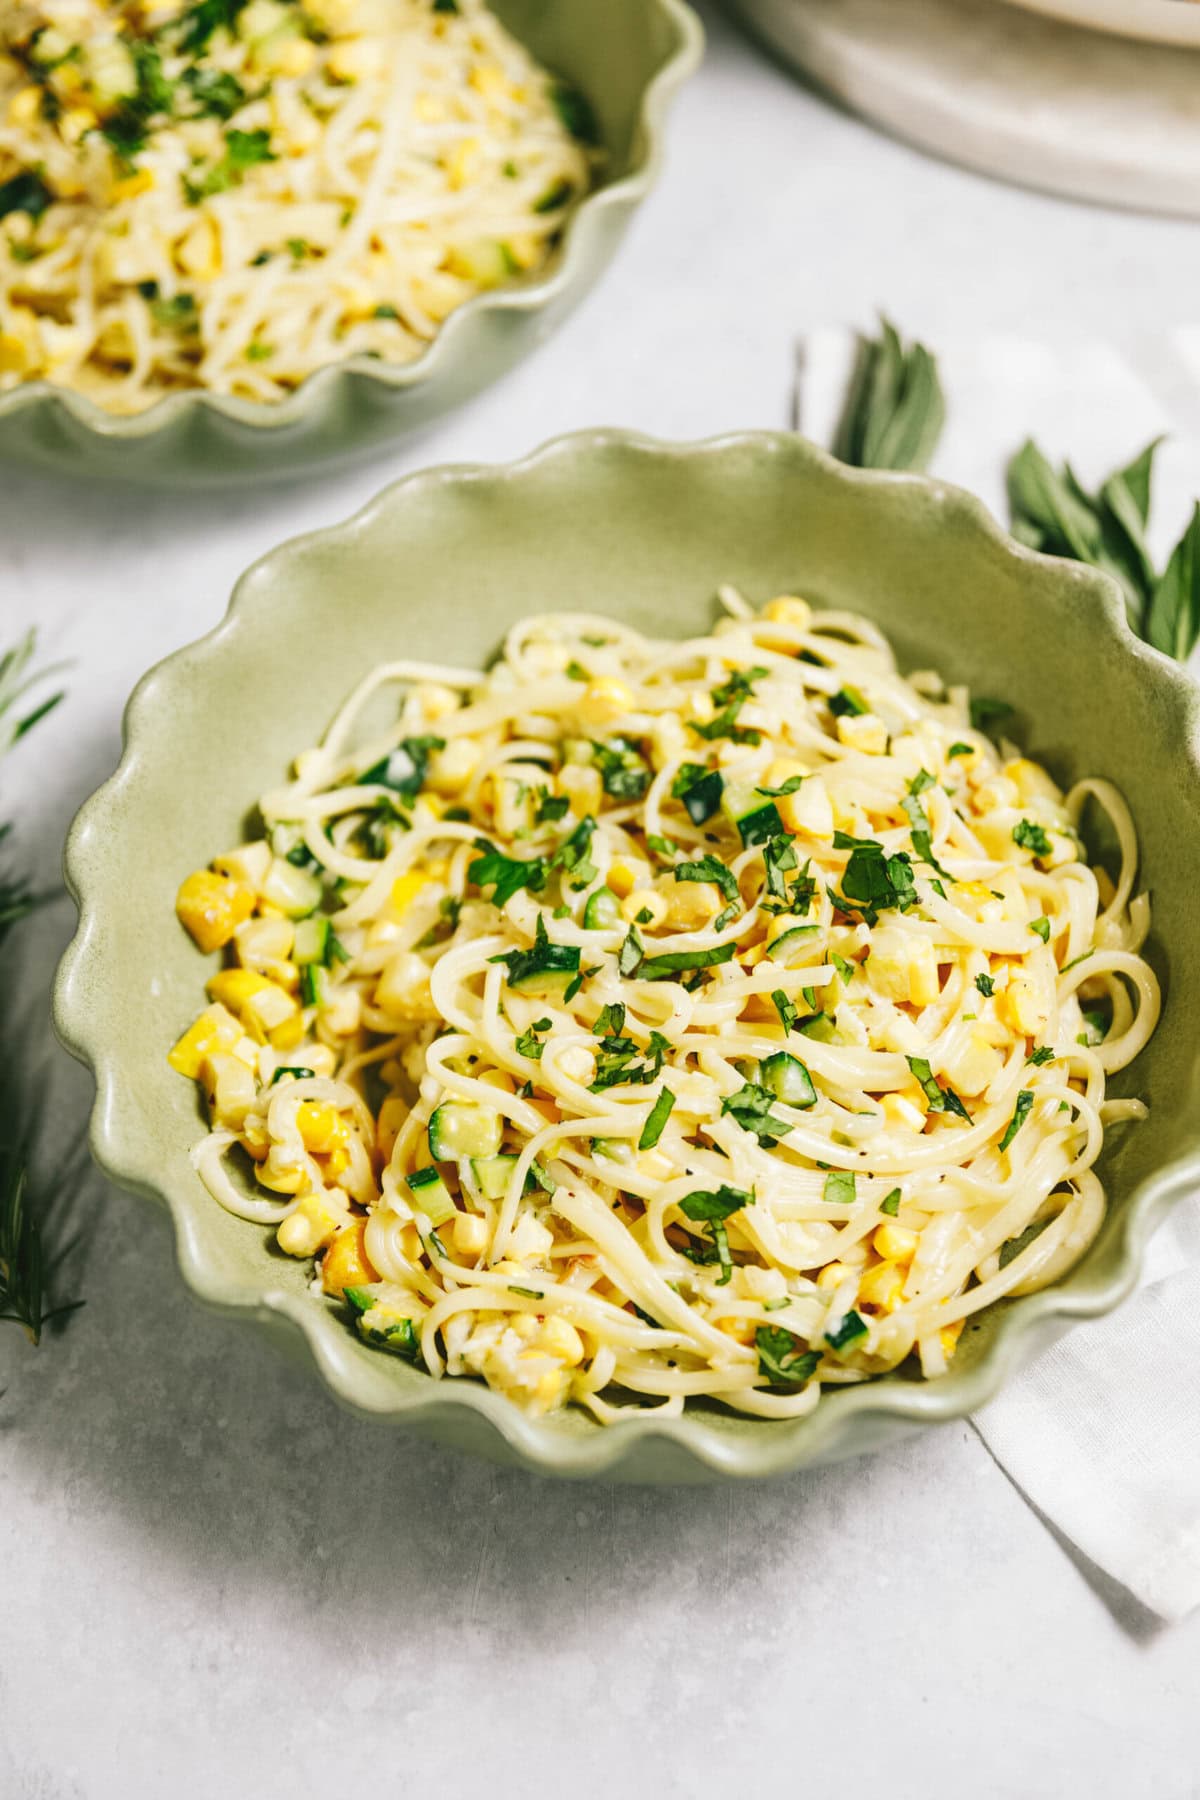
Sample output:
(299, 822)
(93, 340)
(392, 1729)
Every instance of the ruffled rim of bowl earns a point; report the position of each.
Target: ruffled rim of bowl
(707, 1450)
(520, 296)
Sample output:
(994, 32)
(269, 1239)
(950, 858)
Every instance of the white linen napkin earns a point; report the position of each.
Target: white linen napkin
(1101, 1434)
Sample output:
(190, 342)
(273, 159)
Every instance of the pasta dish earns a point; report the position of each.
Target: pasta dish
(230, 194)
(641, 1020)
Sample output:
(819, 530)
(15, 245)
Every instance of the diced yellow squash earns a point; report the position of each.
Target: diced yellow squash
(346, 1261)
(211, 907)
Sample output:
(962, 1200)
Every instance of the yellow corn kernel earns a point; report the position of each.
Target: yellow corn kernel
(282, 1177)
(644, 900)
(130, 186)
(470, 1234)
(289, 1034)
(948, 1337)
(904, 1109)
(16, 356)
(605, 699)
(321, 1127)
(350, 61)
(405, 889)
(622, 879)
(895, 1243)
(312, 1225)
(346, 1261)
(655, 1166)
(741, 1330)
(561, 1339)
(463, 163)
(973, 1067)
(25, 106)
(249, 863)
(865, 732)
(882, 1286)
(787, 609)
(211, 907)
(692, 904)
(833, 1274)
(195, 1044)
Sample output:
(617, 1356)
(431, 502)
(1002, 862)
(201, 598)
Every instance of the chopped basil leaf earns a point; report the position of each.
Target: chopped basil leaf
(891, 1203)
(709, 868)
(788, 1014)
(986, 985)
(1042, 929)
(1020, 1114)
(1032, 837)
(940, 1099)
(783, 1359)
(750, 1107)
(841, 1188)
(852, 1327)
(660, 1112)
(653, 968)
(1041, 1056)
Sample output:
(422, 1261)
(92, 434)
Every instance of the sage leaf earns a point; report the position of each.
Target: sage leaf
(1173, 616)
(895, 408)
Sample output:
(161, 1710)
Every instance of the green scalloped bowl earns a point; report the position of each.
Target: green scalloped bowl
(444, 562)
(629, 57)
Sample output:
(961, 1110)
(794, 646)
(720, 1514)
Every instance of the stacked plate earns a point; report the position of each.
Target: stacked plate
(1029, 98)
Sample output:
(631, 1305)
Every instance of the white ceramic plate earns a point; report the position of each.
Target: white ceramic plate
(1160, 21)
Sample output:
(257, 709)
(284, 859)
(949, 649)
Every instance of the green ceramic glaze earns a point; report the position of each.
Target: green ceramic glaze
(628, 57)
(440, 565)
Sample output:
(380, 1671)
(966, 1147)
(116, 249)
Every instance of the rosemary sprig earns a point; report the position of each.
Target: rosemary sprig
(23, 1269)
(895, 409)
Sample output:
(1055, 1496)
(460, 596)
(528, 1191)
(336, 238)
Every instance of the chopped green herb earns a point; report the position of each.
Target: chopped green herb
(783, 1360)
(1020, 1114)
(986, 985)
(1031, 837)
(1041, 1056)
(26, 193)
(624, 772)
(700, 789)
(872, 881)
(714, 1203)
(777, 793)
(506, 875)
(940, 1099)
(660, 1112)
(661, 846)
(852, 1327)
(529, 1044)
(847, 970)
(576, 112)
(631, 953)
(960, 749)
(292, 1073)
(890, 1204)
(653, 968)
(709, 868)
(779, 856)
(1042, 928)
(550, 807)
(788, 1014)
(557, 195)
(986, 713)
(750, 1107)
(848, 703)
(841, 1188)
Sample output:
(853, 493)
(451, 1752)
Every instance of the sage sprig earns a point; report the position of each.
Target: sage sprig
(893, 417)
(895, 409)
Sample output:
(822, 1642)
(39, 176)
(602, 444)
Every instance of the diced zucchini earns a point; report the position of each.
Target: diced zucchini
(294, 891)
(755, 815)
(486, 261)
(314, 981)
(702, 799)
(615, 1149)
(788, 1079)
(789, 942)
(546, 970)
(460, 1129)
(493, 1174)
(821, 1027)
(431, 1196)
(603, 910)
(577, 750)
(382, 1328)
(312, 937)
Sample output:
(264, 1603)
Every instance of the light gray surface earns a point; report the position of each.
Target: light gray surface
(214, 1583)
